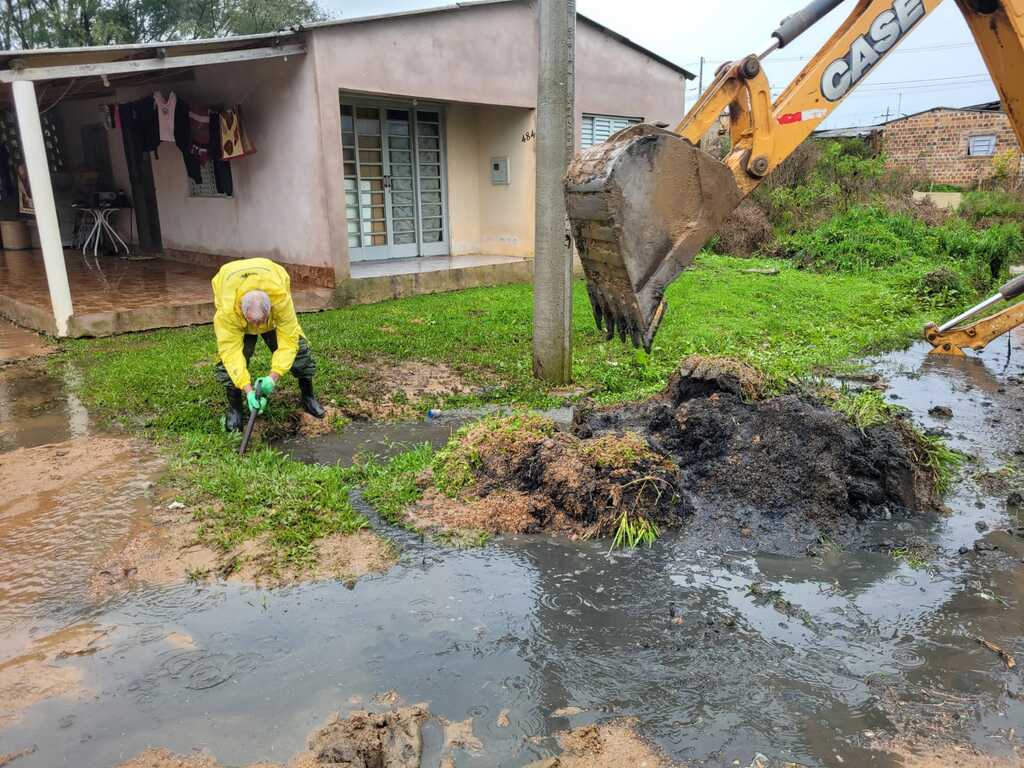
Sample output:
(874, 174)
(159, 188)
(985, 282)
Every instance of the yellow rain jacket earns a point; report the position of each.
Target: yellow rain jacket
(234, 280)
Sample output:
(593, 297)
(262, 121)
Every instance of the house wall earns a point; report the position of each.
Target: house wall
(934, 145)
(482, 63)
(277, 209)
(289, 203)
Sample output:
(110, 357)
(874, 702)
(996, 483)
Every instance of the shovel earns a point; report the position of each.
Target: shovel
(248, 427)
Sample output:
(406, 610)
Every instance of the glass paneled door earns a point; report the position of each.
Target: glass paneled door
(394, 181)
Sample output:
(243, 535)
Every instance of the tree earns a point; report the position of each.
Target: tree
(28, 24)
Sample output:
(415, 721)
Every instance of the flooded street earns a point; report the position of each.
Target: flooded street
(718, 655)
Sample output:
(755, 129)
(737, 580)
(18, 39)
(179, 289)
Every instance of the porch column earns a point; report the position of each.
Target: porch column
(34, 147)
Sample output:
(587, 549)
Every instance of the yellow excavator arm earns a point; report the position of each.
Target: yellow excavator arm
(642, 204)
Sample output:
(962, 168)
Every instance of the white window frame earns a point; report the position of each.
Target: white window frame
(987, 142)
(595, 128)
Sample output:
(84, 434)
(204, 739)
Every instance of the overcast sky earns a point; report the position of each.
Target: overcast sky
(937, 65)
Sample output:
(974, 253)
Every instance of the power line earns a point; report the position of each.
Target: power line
(919, 49)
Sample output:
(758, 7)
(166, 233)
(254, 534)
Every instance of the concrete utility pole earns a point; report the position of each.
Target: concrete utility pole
(552, 258)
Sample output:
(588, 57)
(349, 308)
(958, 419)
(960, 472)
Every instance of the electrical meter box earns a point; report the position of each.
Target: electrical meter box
(499, 170)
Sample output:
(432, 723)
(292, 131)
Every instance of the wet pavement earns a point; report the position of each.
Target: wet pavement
(16, 343)
(810, 660)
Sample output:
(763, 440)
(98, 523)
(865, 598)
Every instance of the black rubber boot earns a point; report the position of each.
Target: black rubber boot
(234, 419)
(309, 401)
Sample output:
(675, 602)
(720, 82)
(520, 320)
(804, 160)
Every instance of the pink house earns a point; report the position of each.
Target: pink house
(394, 155)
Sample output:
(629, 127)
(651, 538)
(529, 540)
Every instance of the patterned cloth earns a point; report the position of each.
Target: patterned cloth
(234, 142)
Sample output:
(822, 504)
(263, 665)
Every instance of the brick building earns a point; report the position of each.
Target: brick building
(952, 146)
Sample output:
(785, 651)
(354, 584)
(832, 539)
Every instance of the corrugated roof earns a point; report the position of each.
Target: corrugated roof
(40, 57)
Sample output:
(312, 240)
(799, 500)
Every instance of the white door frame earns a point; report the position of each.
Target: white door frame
(420, 249)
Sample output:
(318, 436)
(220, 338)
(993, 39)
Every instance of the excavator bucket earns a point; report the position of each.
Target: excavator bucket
(641, 205)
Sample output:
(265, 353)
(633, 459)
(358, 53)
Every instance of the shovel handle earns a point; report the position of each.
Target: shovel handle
(248, 429)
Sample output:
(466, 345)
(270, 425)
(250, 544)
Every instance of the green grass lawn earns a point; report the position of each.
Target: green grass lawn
(161, 383)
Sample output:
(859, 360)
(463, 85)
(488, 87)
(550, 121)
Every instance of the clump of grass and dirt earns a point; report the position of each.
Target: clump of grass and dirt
(518, 474)
(708, 453)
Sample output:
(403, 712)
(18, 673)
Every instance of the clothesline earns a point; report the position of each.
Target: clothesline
(203, 135)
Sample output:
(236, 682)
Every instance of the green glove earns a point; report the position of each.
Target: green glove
(257, 404)
(264, 385)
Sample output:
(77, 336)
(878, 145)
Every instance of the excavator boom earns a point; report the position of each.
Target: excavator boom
(643, 204)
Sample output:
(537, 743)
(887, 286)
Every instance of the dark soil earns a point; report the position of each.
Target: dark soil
(787, 471)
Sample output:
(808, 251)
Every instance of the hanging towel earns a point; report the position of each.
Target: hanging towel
(234, 142)
(165, 114)
(183, 140)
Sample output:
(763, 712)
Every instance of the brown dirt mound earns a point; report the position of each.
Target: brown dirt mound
(700, 376)
(785, 458)
(609, 745)
(746, 231)
(517, 474)
(363, 740)
(787, 469)
(391, 390)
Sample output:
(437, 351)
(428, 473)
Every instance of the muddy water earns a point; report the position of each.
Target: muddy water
(385, 439)
(68, 495)
(863, 648)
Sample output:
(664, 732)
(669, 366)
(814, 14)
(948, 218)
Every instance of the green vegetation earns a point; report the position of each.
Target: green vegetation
(938, 458)
(866, 408)
(913, 557)
(991, 204)
(634, 531)
(391, 486)
(454, 465)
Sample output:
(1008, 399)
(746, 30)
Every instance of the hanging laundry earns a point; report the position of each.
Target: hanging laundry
(234, 142)
(221, 170)
(7, 188)
(199, 132)
(165, 114)
(183, 140)
(139, 117)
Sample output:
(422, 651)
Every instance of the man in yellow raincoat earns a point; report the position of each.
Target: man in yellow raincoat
(253, 298)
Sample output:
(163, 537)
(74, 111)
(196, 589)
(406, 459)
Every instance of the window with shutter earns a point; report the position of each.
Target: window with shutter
(981, 146)
(597, 128)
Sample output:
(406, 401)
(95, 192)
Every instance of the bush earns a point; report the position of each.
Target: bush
(991, 204)
(999, 246)
(860, 238)
(744, 233)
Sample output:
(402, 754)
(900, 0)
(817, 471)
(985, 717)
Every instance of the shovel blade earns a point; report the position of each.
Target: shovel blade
(641, 205)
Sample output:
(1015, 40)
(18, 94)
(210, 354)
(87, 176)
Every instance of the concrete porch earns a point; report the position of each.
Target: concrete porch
(117, 296)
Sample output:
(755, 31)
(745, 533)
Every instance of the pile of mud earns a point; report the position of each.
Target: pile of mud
(706, 452)
(518, 474)
(394, 739)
